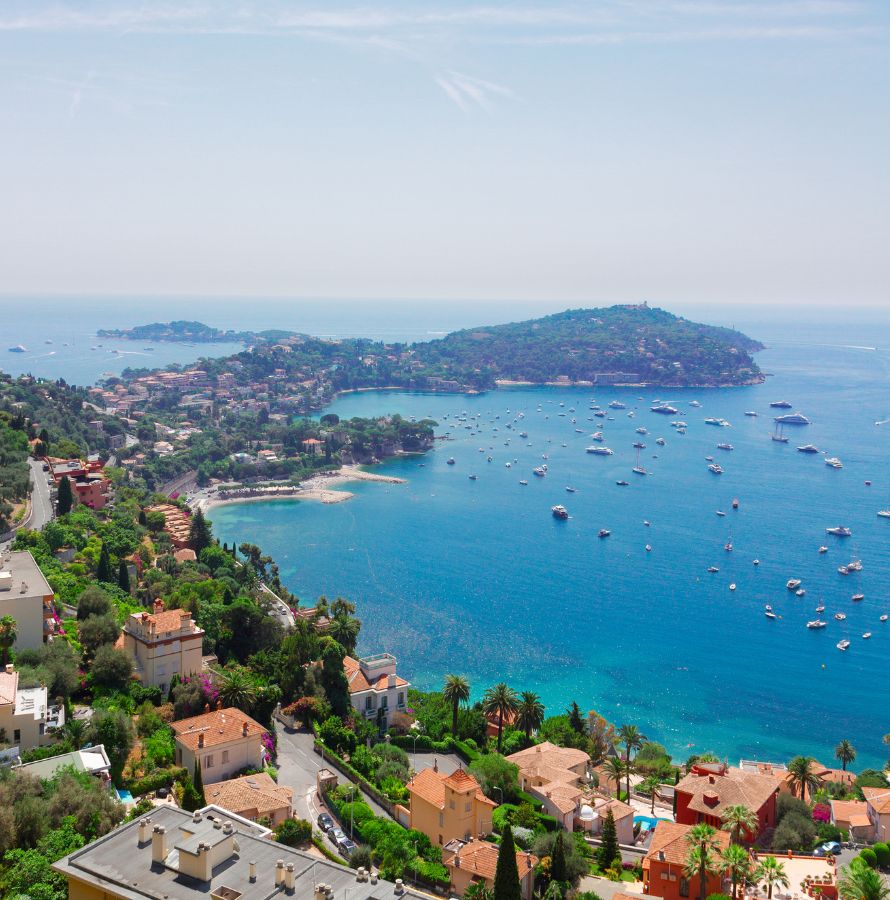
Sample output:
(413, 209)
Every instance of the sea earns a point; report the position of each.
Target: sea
(453, 574)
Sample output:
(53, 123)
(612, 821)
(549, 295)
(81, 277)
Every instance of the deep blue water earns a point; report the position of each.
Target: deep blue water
(476, 576)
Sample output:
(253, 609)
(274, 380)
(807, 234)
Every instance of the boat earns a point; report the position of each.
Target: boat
(884, 513)
(571, 490)
(597, 436)
(770, 614)
(751, 412)
(884, 617)
(450, 460)
(540, 471)
(713, 569)
(800, 592)
(735, 503)
(639, 445)
(616, 404)
(720, 512)
(857, 598)
(842, 645)
(817, 623)
(792, 419)
(793, 584)
(728, 546)
(732, 586)
(715, 468)
(648, 548)
(820, 608)
(694, 403)
(834, 462)
(646, 522)
(472, 477)
(725, 447)
(808, 448)
(839, 531)
(780, 404)
(19, 348)
(559, 512)
(665, 410)
(508, 465)
(756, 562)
(600, 451)
(854, 566)
(823, 549)
(639, 470)
(661, 442)
(866, 636)
(709, 458)
(840, 616)
(522, 481)
(779, 438)
(722, 423)
(523, 434)
(642, 430)
(603, 533)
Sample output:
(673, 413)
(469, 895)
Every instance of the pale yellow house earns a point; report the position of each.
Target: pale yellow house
(27, 597)
(163, 644)
(225, 741)
(253, 797)
(448, 807)
(27, 719)
(877, 802)
(476, 861)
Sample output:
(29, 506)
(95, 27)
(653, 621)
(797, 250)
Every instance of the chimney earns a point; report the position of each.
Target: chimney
(228, 828)
(201, 740)
(251, 870)
(290, 877)
(391, 681)
(244, 729)
(279, 873)
(196, 815)
(10, 668)
(144, 827)
(319, 892)
(158, 844)
(205, 868)
(373, 877)
(712, 779)
(400, 887)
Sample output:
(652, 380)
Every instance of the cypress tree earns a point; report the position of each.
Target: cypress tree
(123, 576)
(197, 781)
(65, 498)
(143, 519)
(609, 850)
(200, 535)
(558, 859)
(576, 720)
(506, 875)
(103, 572)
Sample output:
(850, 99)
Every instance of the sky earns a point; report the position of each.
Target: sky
(612, 151)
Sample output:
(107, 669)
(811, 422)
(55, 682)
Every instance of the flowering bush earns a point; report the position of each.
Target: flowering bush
(821, 812)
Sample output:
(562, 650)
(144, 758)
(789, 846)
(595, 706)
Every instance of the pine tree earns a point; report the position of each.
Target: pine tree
(197, 780)
(609, 850)
(143, 519)
(558, 859)
(65, 498)
(506, 875)
(103, 571)
(576, 720)
(200, 535)
(123, 576)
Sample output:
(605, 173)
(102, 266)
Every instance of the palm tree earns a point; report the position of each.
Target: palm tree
(8, 635)
(650, 786)
(632, 738)
(737, 819)
(736, 861)
(478, 890)
(861, 883)
(845, 752)
(74, 731)
(501, 701)
(237, 689)
(344, 630)
(700, 858)
(455, 692)
(803, 776)
(772, 873)
(614, 767)
(530, 713)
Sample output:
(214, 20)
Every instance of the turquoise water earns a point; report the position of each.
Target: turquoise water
(477, 577)
(649, 821)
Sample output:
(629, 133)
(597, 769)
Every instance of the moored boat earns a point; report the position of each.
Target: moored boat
(559, 512)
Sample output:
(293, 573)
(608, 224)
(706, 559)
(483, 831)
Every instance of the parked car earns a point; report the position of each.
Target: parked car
(336, 835)
(325, 822)
(346, 846)
(831, 847)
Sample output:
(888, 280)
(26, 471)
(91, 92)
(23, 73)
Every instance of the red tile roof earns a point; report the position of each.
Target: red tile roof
(358, 682)
(218, 727)
(669, 839)
(481, 858)
(429, 785)
(711, 791)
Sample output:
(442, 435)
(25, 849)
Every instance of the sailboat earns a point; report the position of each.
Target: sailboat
(638, 469)
(779, 435)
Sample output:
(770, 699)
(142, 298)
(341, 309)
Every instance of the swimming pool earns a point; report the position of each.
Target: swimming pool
(124, 796)
(648, 822)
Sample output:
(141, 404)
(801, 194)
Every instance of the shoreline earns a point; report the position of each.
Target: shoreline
(322, 488)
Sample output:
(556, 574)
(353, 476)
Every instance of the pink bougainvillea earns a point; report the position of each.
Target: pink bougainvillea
(821, 812)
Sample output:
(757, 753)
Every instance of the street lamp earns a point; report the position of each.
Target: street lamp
(500, 790)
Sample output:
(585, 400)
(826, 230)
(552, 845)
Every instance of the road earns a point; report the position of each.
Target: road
(298, 764)
(41, 504)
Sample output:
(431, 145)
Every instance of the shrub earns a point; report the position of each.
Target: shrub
(498, 778)
(361, 857)
(882, 851)
(293, 832)
(156, 780)
(821, 813)
(523, 836)
(870, 857)
(785, 804)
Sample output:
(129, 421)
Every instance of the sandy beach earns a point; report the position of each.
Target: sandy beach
(324, 488)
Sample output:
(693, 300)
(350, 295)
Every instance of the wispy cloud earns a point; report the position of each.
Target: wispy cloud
(467, 91)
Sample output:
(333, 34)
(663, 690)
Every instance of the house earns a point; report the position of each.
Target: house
(710, 788)
(595, 808)
(208, 855)
(809, 876)
(877, 801)
(92, 760)
(163, 644)
(474, 861)
(177, 524)
(27, 719)
(448, 807)
(374, 688)
(88, 483)
(491, 723)
(224, 741)
(557, 776)
(253, 797)
(27, 597)
(826, 774)
(852, 816)
(664, 866)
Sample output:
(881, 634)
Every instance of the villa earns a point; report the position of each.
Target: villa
(447, 807)
(223, 741)
(470, 862)
(253, 797)
(853, 816)
(27, 719)
(664, 866)
(26, 596)
(375, 690)
(92, 760)
(877, 802)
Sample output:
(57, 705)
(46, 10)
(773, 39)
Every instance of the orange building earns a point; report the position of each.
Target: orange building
(472, 862)
(448, 807)
(664, 866)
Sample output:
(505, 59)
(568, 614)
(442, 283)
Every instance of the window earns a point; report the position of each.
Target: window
(468, 806)
(384, 702)
(441, 820)
(401, 698)
(684, 887)
(208, 761)
(451, 804)
(17, 735)
(225, 757)
(369, 702)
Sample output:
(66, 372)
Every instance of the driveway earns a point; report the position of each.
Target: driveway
(445, 762)
(41, 504)
(606, 889)
(298, 765)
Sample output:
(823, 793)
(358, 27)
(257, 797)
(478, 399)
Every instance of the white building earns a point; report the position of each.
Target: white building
(375, 689)
(27, 597)
(27, 719)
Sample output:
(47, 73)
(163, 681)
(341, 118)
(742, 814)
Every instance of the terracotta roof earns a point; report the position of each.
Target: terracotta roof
(358, 682)
(185, 555)
(878, 798)
(669, 838)
(711, 792)
(9, 683)
(620, 810)
(218, 727)
(251, 795)
(429, 786)
(481, 858)
(852, 812)
(551, 766)
(547, 754)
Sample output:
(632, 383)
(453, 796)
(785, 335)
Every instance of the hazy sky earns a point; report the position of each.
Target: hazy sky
(675, 150)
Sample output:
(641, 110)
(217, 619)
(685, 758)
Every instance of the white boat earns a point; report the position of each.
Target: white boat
(570, 489)
(597, 436)
(884, 513)
(817, 623)
(750, 412)
(834, 462)
(712, 420)
(823, 549)
(866, 636)
(800, 592)
(648, 548)
(808, 448)
(616, 404)
(842, 645)
(450, 460)
(715, 468)
(732, 587)
(694, 403)
(666, 410)
(18, 348)
(840, 616)
(792, 419)
(522, 481)
(642, 431)
(661, 442)
(559, 512)
(639, 470)
(884, 617)
(780, 404)
(600, 451)
(725, 447)
(540, 471)
(793, 584)
(713, 569)
(473, 477)
(839, 531)
(857, 598)
(770, 614)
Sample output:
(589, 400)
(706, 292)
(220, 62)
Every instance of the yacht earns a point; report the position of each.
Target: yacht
(642, 431)
(842, 645)
(779, 438)
(711, 420)
(857, 598)
(622, 483)
(834, 462)
(639, 445)
(792, 419)
(616, 404)
(472, 477)
(597, 436)
(694, 403)
(823, 549)
(603, 533)
(665, 410)
(661, 442)
(780, 404)
(720, 513)
(884, 617)
(540, 471)
(18, 348)
(816, 623)
(559, 512)
(713, 569)
(600, 451)
(840, 616)
(450, 460)
(522, 481)
(728, 546)
(770, 614)
(866, 636)
(793, 584)
(725, 447)
(839, 531)
(808, 448)
(639, 470)
(751, 412)
(800, 592)
(820, 608)
(716, 468)
(884, 513)
(571, 490)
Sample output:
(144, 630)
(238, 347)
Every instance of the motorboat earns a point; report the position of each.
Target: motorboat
(450, 460)
(840, 616)
(725, 447)
(522, 481)
(720, 512)
(732, 586)
(808, 448)
(839, 531)
(616, 404)
(642, 430)
(866, 636)
(833, 462)
(603, 533)
(473, 477)
(713, 569)
(780, 404)
(884, 513)
(599, 451)
(622, 483)
(792, 419)
(823, 549)
(800, 592)
(715, 468)
(559, 512)
(842, 645)
(857, 598)
(661, 442)
(884, 617)
(751, 412)
(570, 489)
(817, 623)
(770, 614)
(665, 410)
(722, 423)
(793, 584)
(648, 548)
(735, 502)
(820, 608)
(540, 471)
(597, 436)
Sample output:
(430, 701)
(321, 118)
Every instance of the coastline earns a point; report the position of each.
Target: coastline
(322, 488)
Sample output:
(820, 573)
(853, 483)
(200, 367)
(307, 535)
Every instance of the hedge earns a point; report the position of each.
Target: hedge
(882, 851)
(424, 742)
(163, 778)
(354, 775)
(870, 857)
